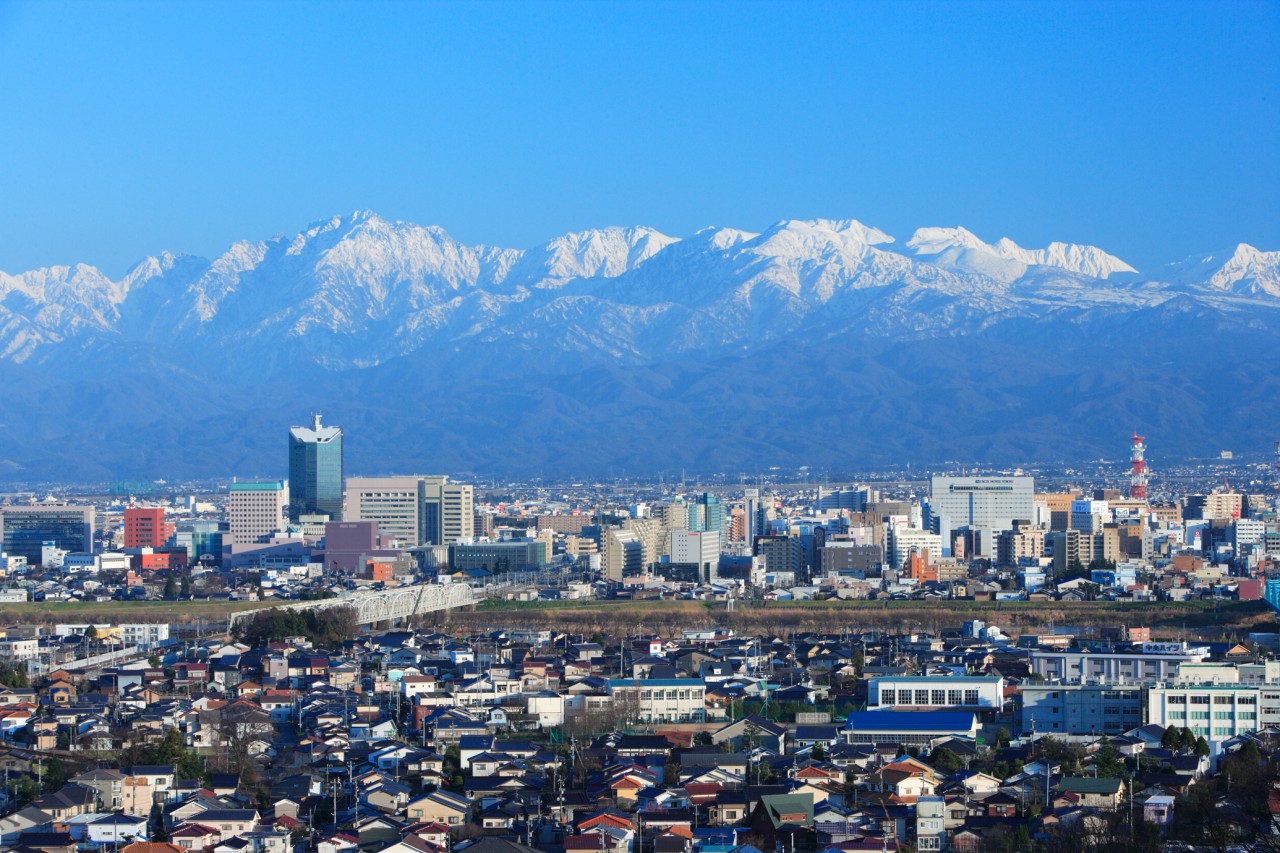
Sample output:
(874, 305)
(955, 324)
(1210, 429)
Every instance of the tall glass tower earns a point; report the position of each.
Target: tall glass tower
(315, 470)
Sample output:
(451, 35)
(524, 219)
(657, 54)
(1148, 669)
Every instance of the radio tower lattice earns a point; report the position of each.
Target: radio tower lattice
(1138, 479)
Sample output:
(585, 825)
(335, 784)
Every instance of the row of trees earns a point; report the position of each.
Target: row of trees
(325, 628)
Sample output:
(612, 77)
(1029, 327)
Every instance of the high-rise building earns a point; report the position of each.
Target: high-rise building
(701, 550)
(415, 510)
(256, 511)
(707, 513)
(623, 553)
(986, 505)
(145, 527)
(201, 538)
(25, 529)
(315, 470)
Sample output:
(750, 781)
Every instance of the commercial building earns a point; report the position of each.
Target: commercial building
(201, 538)
(414, 510)
(498, 557)
(1109, 709)
(145, 527)
(622, 554)
(1148, 662)
(1216, 712)
(255, 511)
(700, 550)
(986, 505)
(315, 470)
(707, 513)
(25, 529)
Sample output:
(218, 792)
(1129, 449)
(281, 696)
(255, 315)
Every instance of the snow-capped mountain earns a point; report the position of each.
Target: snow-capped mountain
(396, 302)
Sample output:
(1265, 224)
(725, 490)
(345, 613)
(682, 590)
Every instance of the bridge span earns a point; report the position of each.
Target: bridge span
(387, 604)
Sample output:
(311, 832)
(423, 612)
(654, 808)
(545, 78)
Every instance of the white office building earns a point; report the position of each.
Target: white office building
(987, 505)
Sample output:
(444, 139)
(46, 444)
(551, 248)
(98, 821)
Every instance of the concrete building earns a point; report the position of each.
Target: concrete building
(1109, 709)
(935, 692)
(986, 505)
(25, 529)
(1023, 543)
(660, 700)
(622, 554)
(315, 470)
(901, 541)
(255, 511)
(498, 557)
(1148, 662)
(698, 549)
(145, 527)
(415, 510)
(1216, 712)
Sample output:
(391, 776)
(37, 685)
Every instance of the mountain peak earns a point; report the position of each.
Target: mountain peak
(954, 247)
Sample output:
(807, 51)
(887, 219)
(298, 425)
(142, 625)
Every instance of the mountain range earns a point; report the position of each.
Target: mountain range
(623, 350)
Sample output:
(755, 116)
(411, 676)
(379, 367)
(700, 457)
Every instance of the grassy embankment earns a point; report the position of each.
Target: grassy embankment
(181, 612)
(1201, 620)
(1194, 620)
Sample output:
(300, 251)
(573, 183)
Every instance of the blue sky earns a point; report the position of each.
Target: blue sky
(1150, 129)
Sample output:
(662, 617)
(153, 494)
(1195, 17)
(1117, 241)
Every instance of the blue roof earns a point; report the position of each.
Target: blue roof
(911, 721)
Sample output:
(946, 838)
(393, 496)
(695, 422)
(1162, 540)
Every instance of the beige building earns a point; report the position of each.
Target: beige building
(255, 511)
(416, 510)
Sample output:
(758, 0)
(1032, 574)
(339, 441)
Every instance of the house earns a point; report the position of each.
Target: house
(780, 817)
(116, 829)
(752, 731)
(441, 807)
(1095, 793)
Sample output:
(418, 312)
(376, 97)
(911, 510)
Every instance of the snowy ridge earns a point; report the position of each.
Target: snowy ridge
(356, 290)
(960, 249)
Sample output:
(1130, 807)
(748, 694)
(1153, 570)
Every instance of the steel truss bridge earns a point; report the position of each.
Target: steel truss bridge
(388, 604)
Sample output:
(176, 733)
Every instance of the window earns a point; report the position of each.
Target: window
(971, 697)
(1222, 700)
(1222, 715)
(1199, 700)
(887, 697)
(953, 697)
(1247, 700)
(939, 697)
(922, 697)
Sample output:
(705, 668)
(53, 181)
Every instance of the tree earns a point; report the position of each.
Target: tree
(1169, 740)
(1003, 736)
(946, 760)
(702, 739)
(1202, 747)
(859, 661)
(91, 633)
(170, 588)
(154, 662)
(818, 753)
(55, 775)
(184, 585)
(1186, 740)
(671, 774)
(12, 675)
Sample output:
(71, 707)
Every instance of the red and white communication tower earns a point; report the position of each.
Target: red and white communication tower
(1138, 458)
